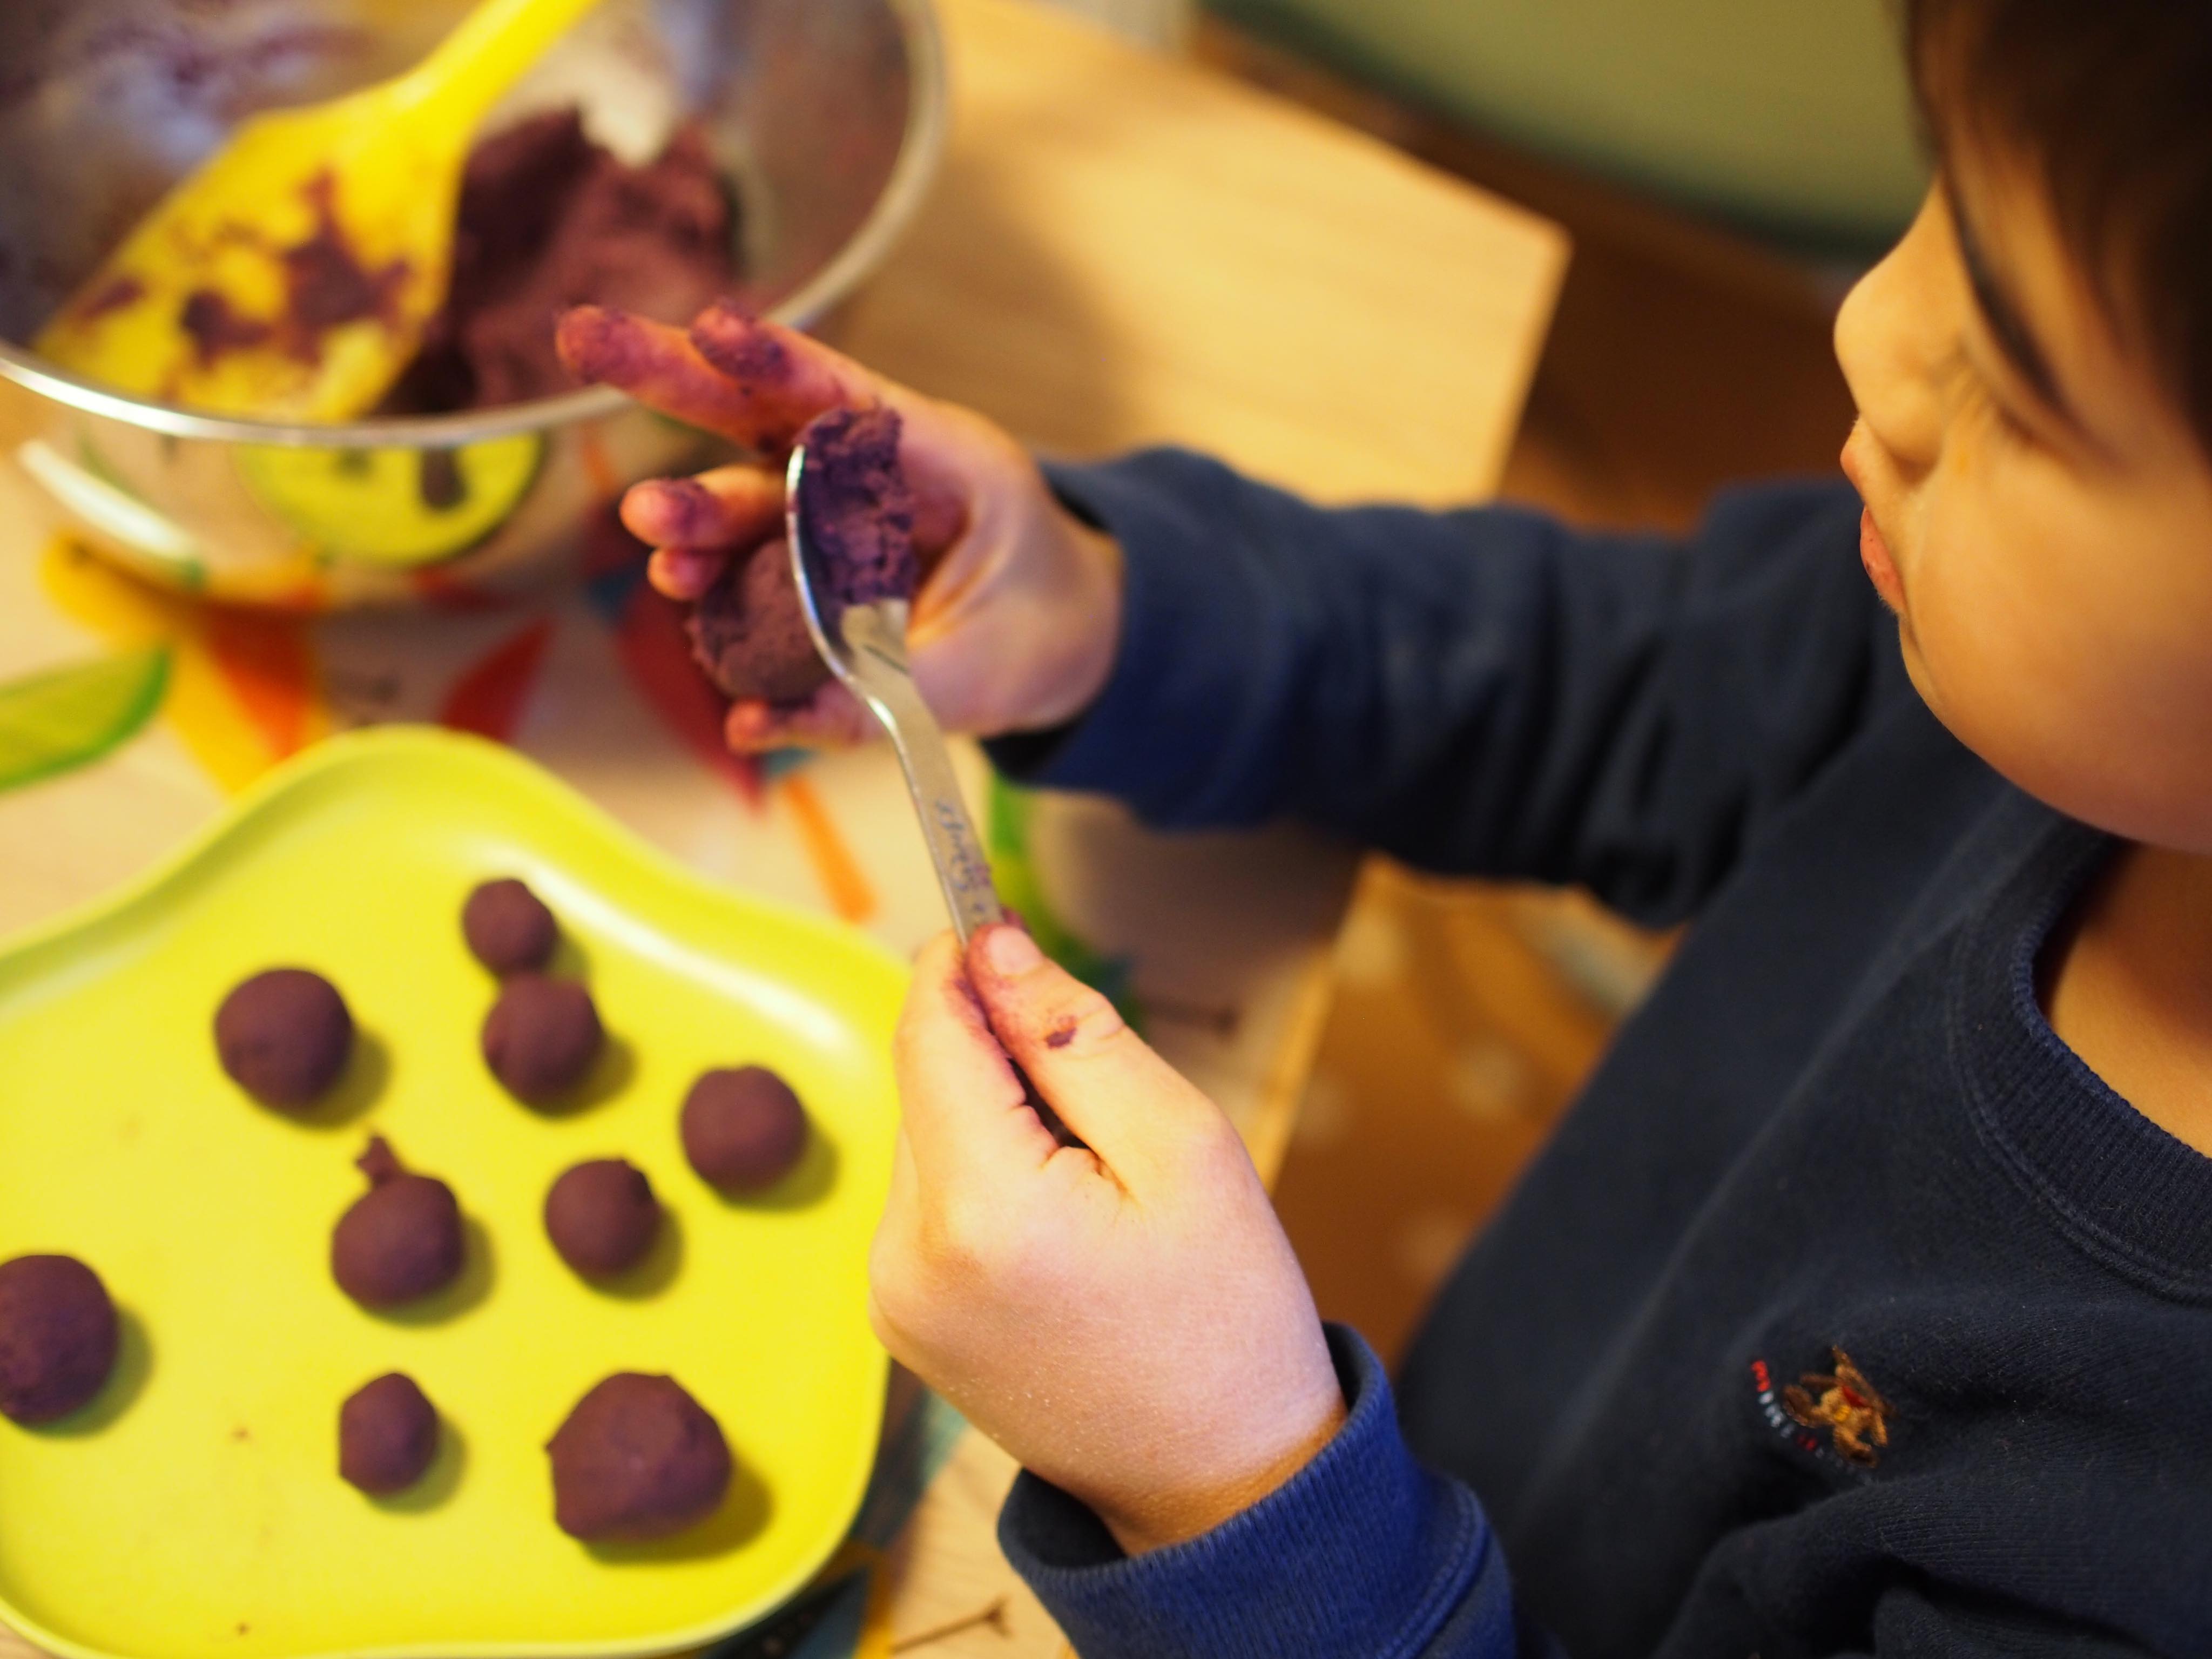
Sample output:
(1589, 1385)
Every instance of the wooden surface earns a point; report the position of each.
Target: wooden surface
(1123, 249)
(1161, 255)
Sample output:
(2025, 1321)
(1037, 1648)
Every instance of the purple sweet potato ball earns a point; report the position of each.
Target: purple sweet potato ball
(637, 1459)
(283, 1035)
(58, 1337)
(387, 1436)
(402, 1240)
(744, 1128)
(749, 634)
(542, 1036)
(508, 928)
(603, 1218)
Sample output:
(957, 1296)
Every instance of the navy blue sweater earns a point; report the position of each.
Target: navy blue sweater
(1848, 1312)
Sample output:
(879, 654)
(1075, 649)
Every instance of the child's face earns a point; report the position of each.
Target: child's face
(2038, 514)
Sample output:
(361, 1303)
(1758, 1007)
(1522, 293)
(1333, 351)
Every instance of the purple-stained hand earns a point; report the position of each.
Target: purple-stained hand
(1015, 624)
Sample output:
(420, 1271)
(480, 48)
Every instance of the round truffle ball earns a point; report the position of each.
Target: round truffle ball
(744, 1130)
(603, 1218)
(401, 1240)
(541, 1037)
(638, 1458)
(750, 635)
(508, 927)
(58, 1335)
(283, 1035)
(387, 1436)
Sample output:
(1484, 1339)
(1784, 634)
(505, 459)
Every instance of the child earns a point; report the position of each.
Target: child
(1864, 1304)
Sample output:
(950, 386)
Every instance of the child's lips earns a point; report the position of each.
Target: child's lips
(1880, 569)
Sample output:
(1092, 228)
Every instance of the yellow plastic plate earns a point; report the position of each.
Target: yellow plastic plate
(194, 1510)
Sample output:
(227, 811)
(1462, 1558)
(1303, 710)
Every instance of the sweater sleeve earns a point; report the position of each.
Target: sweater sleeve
(1362, 1554)
(1484, 691)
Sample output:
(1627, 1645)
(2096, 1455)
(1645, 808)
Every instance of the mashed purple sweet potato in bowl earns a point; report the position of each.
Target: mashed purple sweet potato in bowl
(666, 154)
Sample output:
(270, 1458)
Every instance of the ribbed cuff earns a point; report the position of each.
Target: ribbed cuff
(1362, 1553)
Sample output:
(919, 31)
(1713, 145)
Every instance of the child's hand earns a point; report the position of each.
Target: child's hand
(1019, 611)
(1127, 1321)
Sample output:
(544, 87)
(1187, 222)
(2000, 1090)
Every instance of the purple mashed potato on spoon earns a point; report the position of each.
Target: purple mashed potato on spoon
(747, 632)
(858, 506)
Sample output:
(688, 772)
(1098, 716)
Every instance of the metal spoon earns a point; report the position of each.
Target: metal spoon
(864, 647)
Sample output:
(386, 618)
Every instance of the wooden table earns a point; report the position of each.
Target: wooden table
(1123, 249)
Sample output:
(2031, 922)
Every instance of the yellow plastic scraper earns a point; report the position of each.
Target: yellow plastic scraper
(291, 276)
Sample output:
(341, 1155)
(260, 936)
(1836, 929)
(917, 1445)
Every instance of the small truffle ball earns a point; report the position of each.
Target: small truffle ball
(401, 1240)
(750, 635)
(603, 1218)
(508, 927)
(744, 1130)
(283, 1035)
(387, 1436)
(638, 1458)
(541, 1037)
(58, 1335)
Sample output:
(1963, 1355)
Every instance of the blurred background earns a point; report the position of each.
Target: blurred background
(1726, 168)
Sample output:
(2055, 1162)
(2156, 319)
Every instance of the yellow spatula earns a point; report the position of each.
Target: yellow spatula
(291, 276)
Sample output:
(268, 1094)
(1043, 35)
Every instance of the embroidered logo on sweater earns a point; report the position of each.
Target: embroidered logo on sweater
(1842, 1402)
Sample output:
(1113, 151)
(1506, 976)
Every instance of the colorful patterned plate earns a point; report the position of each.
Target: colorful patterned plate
(194, 1510)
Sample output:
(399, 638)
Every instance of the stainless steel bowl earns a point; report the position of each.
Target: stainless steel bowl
(829, 114)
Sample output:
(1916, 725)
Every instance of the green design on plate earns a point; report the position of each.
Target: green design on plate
(1014, 873)
(70, 717)
(398, 507)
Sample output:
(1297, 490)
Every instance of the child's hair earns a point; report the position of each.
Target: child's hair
(2111, 101)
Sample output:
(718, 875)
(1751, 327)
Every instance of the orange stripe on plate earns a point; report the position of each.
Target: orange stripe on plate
(270, 667)
(835, 866)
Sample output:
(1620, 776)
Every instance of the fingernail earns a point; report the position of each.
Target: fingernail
(1011, 950)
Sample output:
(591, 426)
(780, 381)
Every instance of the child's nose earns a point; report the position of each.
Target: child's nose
(1892, 339)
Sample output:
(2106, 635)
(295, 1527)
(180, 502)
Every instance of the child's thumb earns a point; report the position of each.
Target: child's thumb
(1132, 1108)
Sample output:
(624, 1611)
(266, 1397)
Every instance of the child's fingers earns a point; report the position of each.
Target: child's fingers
(790, 377)
(760, 383)
(830, 719)
(685, 574)
(785, 378)
(753, 381)
(968, 1123)
(730, 506)
(653, 363)
(1134, 1111)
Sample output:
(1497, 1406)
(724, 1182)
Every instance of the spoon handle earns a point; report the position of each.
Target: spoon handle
(875, 666)
(865, 645)
(876, 642)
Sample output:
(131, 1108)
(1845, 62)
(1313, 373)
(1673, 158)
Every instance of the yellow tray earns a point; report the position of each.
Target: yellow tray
(194, 1510)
